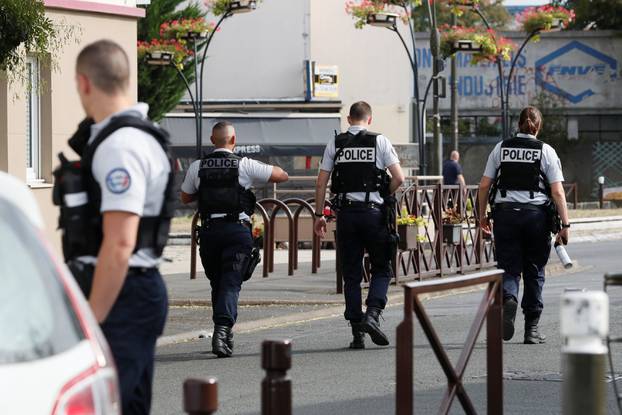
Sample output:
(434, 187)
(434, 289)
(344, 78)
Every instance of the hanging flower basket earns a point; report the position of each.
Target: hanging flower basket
(484, 45)
(220, 7)
(383, 13)
(163, 52)
(186, 29)
(545, 19)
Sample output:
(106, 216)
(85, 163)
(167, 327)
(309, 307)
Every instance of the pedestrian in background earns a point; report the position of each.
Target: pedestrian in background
(525, 175)
(116, 208)
(452, 170)
(356, 162)
(221, 182)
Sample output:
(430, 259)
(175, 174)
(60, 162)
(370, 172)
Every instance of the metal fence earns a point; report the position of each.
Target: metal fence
(490, 309)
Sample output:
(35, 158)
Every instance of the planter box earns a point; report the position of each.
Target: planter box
(452, 233)
(408, 236)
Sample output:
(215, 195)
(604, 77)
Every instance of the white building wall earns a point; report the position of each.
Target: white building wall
(259, 54)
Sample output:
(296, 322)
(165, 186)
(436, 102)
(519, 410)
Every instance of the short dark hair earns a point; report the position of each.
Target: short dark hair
(106, 64)
(360, 111)
(221, 125)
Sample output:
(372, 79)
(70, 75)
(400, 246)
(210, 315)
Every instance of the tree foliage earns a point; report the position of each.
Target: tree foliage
(606, 14)
(495, 12)
(161, 86)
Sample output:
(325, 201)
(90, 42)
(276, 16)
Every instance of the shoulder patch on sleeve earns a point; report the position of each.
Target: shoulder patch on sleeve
(118, 180)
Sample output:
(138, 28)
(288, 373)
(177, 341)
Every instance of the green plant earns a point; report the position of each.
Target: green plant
(161, 86)
(179, 29)
(26, 30)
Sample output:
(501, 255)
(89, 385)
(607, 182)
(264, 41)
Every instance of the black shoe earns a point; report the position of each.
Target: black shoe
(509, 314)
(358, 336)
(371, 326)
(532, 335)
(220, 346)
(230, 339)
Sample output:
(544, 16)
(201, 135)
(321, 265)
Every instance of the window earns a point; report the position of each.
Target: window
(33, 122)
(36, 317)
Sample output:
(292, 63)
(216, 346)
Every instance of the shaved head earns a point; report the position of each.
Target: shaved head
(222, 133)
(106, 65)
(455, 155)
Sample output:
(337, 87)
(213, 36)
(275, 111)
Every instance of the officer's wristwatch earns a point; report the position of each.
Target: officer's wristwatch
(318, 215)
(565, 225)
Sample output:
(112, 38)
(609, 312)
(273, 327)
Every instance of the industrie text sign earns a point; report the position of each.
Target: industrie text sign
(576, 69)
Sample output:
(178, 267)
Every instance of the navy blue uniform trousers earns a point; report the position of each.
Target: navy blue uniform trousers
(523, 246)
(225, 252)
(132, 327)
(360, 229)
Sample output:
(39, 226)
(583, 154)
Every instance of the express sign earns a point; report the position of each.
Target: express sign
(576, 71)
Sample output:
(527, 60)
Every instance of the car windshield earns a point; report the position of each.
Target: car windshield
(36, 318)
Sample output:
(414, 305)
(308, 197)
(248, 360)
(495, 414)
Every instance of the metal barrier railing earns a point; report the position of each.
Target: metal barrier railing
(490, 308)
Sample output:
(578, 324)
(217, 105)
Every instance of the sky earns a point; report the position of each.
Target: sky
(524, 2)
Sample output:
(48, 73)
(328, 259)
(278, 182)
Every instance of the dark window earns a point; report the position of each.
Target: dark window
(36, 317)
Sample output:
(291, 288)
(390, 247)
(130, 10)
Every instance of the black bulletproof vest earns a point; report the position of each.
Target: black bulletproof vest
(219, 187)
(520, 166)
(82, 222)
(355, 167)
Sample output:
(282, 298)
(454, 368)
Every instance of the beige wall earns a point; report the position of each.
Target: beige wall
(60, 105)
(372, 66)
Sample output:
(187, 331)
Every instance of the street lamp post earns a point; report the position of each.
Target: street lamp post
(389, 21)
(198, 40)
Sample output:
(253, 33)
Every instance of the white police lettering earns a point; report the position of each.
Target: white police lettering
(357, 155)
(219, 163)
(520, 155)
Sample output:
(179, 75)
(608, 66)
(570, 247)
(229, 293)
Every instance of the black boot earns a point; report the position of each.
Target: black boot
(509, 314)
(532, 335)
(371, 326)
(230, 339)
(358, 336)
(220, 346)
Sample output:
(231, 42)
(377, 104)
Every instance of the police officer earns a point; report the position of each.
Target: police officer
(525, 175)
(116, 206)
(221, 184)
(356, 163)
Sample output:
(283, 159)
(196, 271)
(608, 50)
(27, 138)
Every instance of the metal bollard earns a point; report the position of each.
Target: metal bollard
(276, 387)
(201, 396)
(584, 324)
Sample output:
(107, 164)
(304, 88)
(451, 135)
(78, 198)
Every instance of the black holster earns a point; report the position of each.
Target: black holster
(389, 210)
(253, 261)
(83, 274)
(554, 221)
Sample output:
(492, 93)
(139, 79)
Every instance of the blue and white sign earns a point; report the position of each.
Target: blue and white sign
(579, 70)
(576, 72)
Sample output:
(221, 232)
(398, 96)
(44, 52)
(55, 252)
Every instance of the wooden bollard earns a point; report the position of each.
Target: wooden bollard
(201, 396)
(276, 387)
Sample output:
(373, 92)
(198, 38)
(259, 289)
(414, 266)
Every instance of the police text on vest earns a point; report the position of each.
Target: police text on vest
(214, 163)
(520, 155)
(357, 155)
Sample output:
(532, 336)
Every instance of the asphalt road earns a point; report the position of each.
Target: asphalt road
(330, 379)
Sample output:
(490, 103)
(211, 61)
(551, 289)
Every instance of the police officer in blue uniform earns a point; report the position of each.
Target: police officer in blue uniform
(221, 183)
(116, 206)
(356, 163)
(523, 180)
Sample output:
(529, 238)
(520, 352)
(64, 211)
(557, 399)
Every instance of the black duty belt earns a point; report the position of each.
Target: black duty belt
(516, 205)
(356, 204)
(140, 270)
(226, 219)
